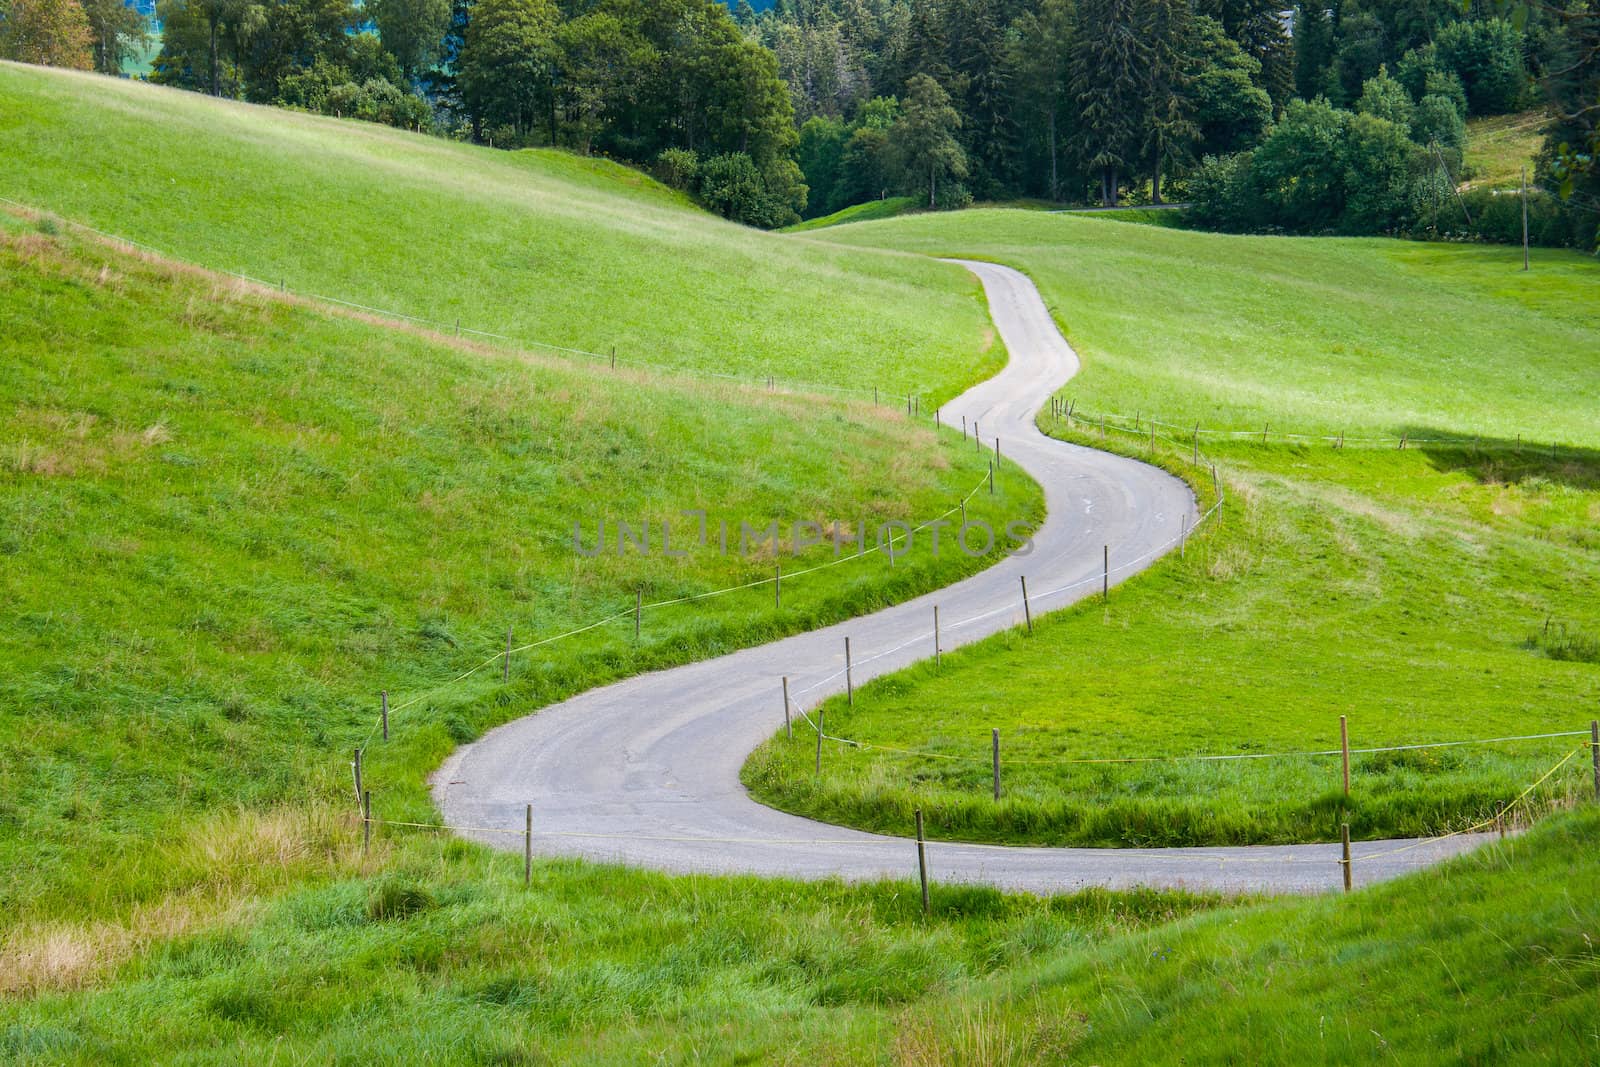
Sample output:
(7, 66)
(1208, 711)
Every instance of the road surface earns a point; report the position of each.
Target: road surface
(645, 772)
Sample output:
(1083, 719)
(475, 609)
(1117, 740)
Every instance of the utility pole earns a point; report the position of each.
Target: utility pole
(1525, 218)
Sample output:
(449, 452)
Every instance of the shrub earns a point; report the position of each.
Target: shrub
(1223, 194)
(677, 168)
(1437, 121)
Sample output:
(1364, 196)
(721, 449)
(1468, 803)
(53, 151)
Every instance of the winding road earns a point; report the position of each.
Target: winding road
(645, 772)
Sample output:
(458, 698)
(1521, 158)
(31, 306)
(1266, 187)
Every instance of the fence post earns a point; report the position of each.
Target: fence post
(1105, 582)
(874, 396)
(1264, 429)
(777, 585)
(527, 848)
(819, 740)
(613, 357)
(638, 609)
(384, 697)
(1027, 613)
(366, 822)
(995, 743)
(1594, 753)
(977, 442)
(505, 675)
(849, 680)
(991, 477)
(1216, 485)
(1196, 460)
(1344, 835)
(997, 451)
(1183, 537)
(1344, 748)
(1102, 426)
(963, 427)
(936, 650)
(357, 766)
(922, 863)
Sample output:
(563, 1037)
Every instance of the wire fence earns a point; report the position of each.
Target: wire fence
(1141, 425)
(1282, 857)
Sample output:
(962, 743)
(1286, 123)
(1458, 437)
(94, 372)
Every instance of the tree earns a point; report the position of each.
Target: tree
(1386, 98)
(1487, 57)
(1438, 121)
(1107, 78)
(505, 64)
(924, 136)
(54, 33)
(199, 41)
(1231, 111)
(119, 32)
(1039, 46)
(1313, 47)
(412, 30)
(1169, 129)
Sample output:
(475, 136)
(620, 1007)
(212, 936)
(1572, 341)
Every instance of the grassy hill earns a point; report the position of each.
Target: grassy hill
(230, 520)
(1499, 147)
(1436, 593)
(541, 246)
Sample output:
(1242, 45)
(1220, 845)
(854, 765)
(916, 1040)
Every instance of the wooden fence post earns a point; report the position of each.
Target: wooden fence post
(849, 679)
(1594, 753)
(922, 863)
(936, 650)
(1344, 835)
(527, 848)
(1105, 582)
(1027, 613)
(1196, 460)
(505, 675)
(994, 735)
(788, 723)
(384, 698)
(991, 477)
(777, 585)
(357, 767)
(1344, 747)
(638, 610)
(1183, 537)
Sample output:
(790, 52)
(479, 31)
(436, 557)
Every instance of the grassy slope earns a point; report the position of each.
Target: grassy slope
(541, 246)
(1407, 590)
(873, 209)
(1500, 146)
(229, 521)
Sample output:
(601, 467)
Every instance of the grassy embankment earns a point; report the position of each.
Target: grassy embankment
(544, 247)
(1499, 147)
(1408, 590)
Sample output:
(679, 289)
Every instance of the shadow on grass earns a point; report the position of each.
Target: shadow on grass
(1509, 461)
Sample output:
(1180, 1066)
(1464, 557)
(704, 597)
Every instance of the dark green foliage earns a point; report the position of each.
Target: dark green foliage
(924, 141)
(1436, 121)
(1487, 57)
(1320, 170)
(119, 31)
(1107, 80)
(1383, 97)
(1231, 110)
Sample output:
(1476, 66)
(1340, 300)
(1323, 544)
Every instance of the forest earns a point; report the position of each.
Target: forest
(1347, 118)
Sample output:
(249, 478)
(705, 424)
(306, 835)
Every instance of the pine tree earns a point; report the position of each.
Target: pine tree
(1169, 128)
(1110, 58)
(1313, 47)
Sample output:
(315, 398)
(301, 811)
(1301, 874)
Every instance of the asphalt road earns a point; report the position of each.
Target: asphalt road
(645, 772)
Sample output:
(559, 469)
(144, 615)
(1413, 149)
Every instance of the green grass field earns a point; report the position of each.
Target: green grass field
(230, 521)
(540, 246)
(1408, 590)
(227, 519)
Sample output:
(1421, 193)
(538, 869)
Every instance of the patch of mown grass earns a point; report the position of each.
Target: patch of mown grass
(542, 246)
(228, 521)
(1397, 588)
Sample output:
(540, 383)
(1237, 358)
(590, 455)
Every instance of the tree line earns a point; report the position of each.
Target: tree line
(1340, 115)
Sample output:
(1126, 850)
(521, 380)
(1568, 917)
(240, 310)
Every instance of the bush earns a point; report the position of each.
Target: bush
(733, 187)
(1385, 98)
(1224, 195)
(1437, 121)
(677, 168)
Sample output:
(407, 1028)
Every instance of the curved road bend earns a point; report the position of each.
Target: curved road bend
(645, 771)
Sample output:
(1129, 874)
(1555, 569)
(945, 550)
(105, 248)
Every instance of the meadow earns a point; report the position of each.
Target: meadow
(1439, 593)
(231, 520)
(544, 247)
